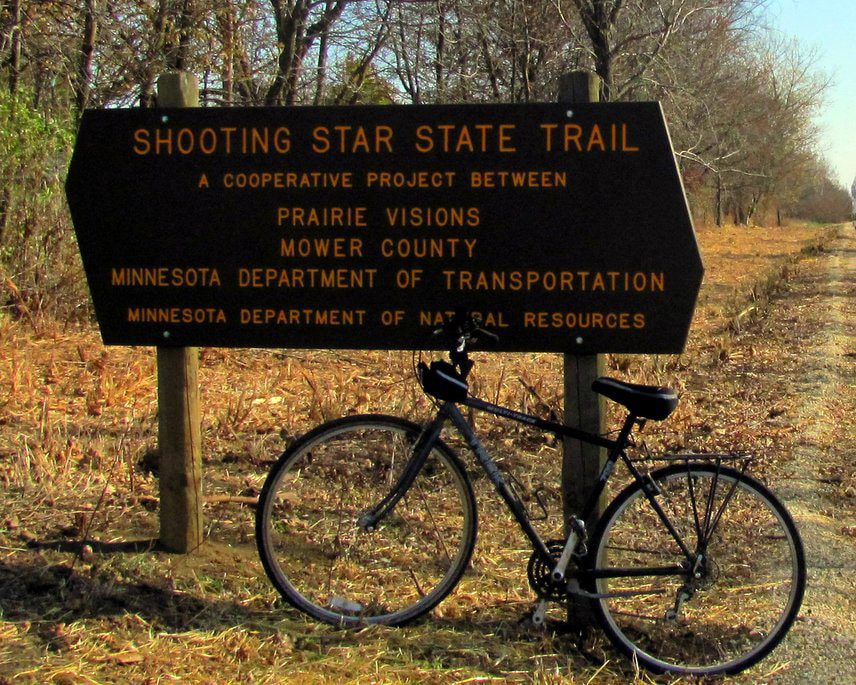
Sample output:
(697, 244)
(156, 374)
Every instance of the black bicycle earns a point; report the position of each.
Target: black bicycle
(695, 567)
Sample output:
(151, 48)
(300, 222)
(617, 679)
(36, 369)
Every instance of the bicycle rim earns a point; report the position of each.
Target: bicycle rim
(324, 564)
(750, 580)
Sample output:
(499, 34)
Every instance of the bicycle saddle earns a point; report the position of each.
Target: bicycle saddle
(644, 401)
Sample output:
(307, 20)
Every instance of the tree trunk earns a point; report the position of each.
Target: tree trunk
(719, 201)
(16, 46)
(440, 53)
(179, 54)
(321, 77)
(290, 25)
(87, 50)
(148, 98)
(599, 22)
(226, 21)
(295, 37)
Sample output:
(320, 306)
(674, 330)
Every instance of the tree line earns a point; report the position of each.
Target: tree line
(739, 100)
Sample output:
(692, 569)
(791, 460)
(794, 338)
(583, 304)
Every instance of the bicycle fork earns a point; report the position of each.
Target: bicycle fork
(422, 447)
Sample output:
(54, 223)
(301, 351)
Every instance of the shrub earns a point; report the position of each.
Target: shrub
(40, 270)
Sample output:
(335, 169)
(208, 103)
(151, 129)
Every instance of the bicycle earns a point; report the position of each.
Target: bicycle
(372, 519)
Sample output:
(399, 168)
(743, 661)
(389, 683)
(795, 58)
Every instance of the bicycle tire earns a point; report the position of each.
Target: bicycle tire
(752, 578)
(324, 564)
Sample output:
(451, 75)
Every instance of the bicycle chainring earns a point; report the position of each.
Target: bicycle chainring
(541, 575)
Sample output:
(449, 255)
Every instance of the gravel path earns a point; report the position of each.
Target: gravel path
(821, 648)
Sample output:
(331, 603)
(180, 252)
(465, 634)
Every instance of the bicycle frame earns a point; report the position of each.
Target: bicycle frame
(615, 449)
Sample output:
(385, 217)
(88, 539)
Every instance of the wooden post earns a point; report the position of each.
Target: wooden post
(179, 422)
(581, 463)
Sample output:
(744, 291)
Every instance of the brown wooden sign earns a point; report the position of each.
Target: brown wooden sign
(361, 227)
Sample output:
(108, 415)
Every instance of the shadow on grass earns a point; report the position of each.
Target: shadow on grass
(52, 595)
(34, 590)
(98, 547)
(128, 580)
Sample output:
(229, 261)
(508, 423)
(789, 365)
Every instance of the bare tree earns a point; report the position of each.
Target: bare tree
(299, 24)
(15, 43)
(87, 52)
(599, 18)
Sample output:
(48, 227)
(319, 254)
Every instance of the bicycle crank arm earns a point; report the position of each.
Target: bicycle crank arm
(558, 573)
(539, 616)
(577, 538)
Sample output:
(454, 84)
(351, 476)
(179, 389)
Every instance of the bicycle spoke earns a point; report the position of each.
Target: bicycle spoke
(337, 541)
(627, 614)
(711, 529)
(711, 496)
(430, 512)
(639, 550)
(693, 501)
(416, 582)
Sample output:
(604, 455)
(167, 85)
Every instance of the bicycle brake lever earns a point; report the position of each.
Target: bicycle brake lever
(482, 333)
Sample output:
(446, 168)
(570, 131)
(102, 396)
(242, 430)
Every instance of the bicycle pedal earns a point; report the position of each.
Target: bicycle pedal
(536, 618)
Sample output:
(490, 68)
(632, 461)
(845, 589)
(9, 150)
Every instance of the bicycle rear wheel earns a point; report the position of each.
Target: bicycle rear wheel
(735, 598)
(324, 564)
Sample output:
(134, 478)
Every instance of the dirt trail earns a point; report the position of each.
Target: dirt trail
(821, 362)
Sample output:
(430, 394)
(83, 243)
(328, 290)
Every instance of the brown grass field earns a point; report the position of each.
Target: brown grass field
(85, 597)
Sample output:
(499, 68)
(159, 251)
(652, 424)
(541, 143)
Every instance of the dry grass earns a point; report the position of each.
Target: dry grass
(85, 598)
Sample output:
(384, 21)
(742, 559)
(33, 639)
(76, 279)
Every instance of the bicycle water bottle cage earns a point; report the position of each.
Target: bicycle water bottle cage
(442, 381)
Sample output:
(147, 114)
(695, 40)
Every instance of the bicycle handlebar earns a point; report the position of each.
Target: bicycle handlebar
(462, 330)
(449, 381)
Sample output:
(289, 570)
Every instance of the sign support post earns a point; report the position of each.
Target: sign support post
(581, 463)
(179, 418)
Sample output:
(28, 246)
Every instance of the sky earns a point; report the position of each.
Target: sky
(829, 27)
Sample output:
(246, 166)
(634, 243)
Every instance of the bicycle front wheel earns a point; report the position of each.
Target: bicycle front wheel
(718, 609)
(326, 565)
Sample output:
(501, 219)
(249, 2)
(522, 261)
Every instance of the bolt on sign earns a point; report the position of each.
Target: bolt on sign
(567, 228)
